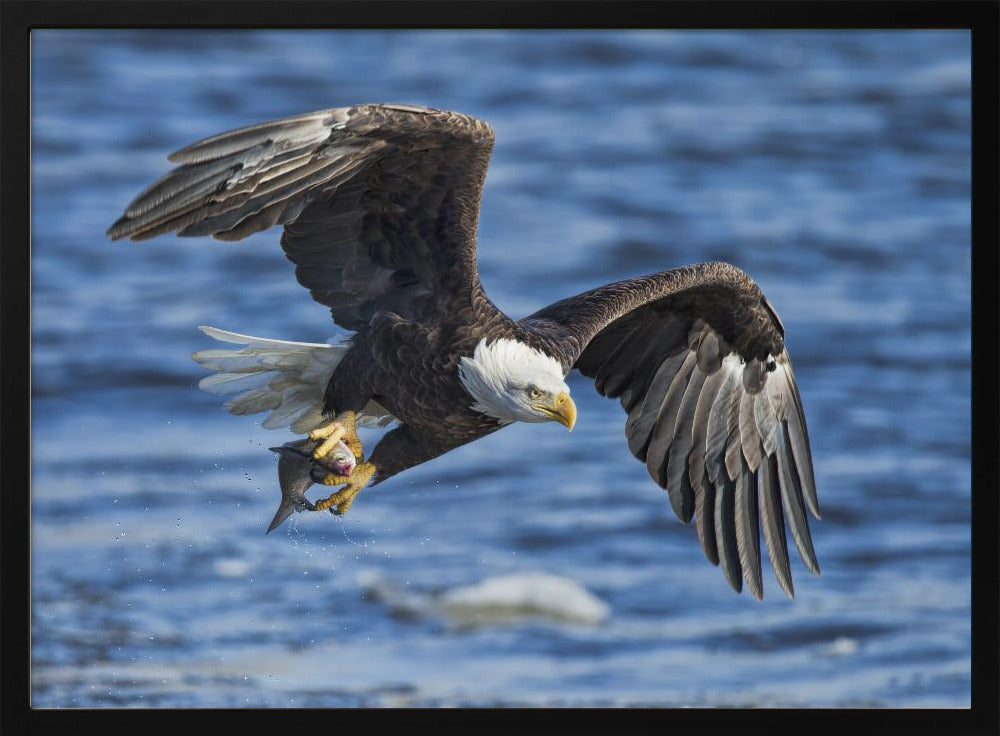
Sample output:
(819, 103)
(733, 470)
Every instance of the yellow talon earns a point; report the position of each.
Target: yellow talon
(343, 498)
(354, 445)
(326, 445)
(332, 479)
(342, 427)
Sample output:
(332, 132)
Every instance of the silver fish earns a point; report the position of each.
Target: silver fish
(297, 470)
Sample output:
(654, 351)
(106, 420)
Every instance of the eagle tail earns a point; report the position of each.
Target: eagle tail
(287, 378)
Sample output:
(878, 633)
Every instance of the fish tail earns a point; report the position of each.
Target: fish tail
(285, 509)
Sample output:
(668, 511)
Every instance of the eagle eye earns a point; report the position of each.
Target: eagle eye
(535, 392)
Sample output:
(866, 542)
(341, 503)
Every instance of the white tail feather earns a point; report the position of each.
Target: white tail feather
(256, 342)
(288, 378)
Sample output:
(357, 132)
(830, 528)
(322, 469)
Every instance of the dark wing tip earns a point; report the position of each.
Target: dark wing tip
(118, 229)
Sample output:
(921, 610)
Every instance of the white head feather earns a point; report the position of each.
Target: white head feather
(500, 375)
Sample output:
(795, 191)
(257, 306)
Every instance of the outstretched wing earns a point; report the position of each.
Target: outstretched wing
(379, 202)
(696, 357)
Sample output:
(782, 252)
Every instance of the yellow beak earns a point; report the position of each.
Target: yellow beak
(562, 410)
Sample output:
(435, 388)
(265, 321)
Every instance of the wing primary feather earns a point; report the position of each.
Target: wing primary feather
(704, 514)
(704, 490)
(301, 130)
(719, 419)
(795, 510)
(237, 179)
(773, 524)
(639, 431)
(747, 531)
(176, 183)
(679, 486)
(167, 211)
(666, 419)
(699, 427)
(798, 436)
(228, 214)
(725, 534)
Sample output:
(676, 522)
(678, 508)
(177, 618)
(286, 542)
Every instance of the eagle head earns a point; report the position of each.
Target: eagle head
(514, 382)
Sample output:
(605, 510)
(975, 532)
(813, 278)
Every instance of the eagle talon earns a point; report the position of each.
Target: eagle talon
(341, 428)
(341, 507)
(332, 479)
(338, 503)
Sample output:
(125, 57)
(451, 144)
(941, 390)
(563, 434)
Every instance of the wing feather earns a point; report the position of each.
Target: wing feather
(725, 534)
(707, 400)
(749, 437)
(621, 365)
(795, 510)
(747, 534)
(639, 432)
(773, 524)
(799, 440)
(666, 340)
(722, 418)
(704, 514)
(614, 362)
(663, 431)
(765, 416)
(307, 129)
(679, 486)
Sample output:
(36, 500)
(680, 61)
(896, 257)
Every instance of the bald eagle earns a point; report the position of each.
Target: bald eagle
(379, 205)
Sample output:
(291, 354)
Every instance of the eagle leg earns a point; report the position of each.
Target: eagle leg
(339, 502)
(341, 428)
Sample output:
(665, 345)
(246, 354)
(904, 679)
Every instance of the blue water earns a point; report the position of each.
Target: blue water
(833, 167)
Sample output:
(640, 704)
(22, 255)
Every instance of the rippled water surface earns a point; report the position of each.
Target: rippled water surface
(833, 167)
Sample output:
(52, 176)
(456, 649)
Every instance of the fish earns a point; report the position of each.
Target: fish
(298, 469)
